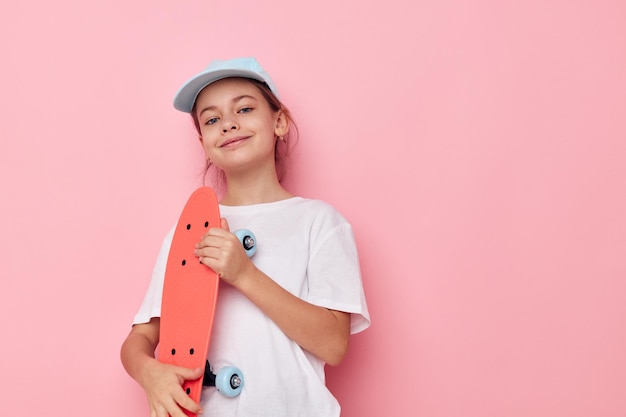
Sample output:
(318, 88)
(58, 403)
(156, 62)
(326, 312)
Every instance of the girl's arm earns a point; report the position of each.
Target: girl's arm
(323, 332)
(162, 383)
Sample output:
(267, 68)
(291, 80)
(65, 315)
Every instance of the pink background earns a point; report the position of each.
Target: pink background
(478, 148)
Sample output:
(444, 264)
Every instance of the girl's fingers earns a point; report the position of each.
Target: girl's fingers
(178, 399)
(215, 237)
(190, 374)
(184, 401)
(222, 251)
(208, 252)
(223, 241)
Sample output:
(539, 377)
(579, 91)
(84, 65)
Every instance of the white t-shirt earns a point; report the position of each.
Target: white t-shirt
(308, 248)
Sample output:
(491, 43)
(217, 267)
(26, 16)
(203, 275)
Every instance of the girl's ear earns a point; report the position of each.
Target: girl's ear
(281, 126)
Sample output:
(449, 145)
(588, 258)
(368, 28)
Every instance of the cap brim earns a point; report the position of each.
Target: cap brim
(187, 94)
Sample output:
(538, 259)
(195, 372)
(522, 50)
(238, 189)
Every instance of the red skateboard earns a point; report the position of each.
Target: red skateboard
(189, 297)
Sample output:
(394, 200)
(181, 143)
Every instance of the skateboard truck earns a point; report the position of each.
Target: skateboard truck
(228, 381)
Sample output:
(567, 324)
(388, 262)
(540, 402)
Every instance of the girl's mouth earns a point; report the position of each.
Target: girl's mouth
(233, 141)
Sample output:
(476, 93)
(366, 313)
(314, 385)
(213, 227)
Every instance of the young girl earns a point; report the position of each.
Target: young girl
(288, 311)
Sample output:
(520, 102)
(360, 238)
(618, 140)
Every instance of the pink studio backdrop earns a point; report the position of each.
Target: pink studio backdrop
(478, 148)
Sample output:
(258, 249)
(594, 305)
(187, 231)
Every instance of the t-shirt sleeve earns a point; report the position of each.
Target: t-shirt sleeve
(151, 305)
(334, 273)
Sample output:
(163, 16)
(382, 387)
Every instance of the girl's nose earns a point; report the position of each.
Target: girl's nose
(229, 126)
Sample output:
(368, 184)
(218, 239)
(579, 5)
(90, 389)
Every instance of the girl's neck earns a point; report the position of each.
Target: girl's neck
(243, 191)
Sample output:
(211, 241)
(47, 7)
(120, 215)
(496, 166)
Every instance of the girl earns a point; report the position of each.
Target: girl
(282, 315)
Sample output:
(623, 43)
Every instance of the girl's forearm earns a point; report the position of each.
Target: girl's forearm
(138, 349)
(323, 332)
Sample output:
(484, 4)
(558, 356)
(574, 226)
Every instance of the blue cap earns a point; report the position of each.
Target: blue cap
(247, 67)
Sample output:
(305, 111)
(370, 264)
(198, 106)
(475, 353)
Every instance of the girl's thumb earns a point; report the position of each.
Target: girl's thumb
(191, 374)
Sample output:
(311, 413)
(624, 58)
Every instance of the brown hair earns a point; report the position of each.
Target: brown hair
(282, 149)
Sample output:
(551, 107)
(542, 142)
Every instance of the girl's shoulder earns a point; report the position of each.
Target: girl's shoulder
(321, 215)
(314, 208)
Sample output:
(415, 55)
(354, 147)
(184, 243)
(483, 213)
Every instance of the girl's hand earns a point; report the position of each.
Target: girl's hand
(163, 386)
(222, 251)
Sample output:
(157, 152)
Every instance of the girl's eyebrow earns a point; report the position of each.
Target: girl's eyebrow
(234, 100)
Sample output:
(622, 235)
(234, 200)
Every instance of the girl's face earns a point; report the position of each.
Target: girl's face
(238, 129)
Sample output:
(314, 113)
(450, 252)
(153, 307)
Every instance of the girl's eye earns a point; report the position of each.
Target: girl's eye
(245, 110)
(211, 121)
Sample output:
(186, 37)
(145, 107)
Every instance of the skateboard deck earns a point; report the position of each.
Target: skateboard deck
(189, 291)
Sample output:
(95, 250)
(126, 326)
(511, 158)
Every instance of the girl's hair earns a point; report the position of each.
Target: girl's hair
(282, 148)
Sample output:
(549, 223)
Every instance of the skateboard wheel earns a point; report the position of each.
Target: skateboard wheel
(248, 241)
(229, 381)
